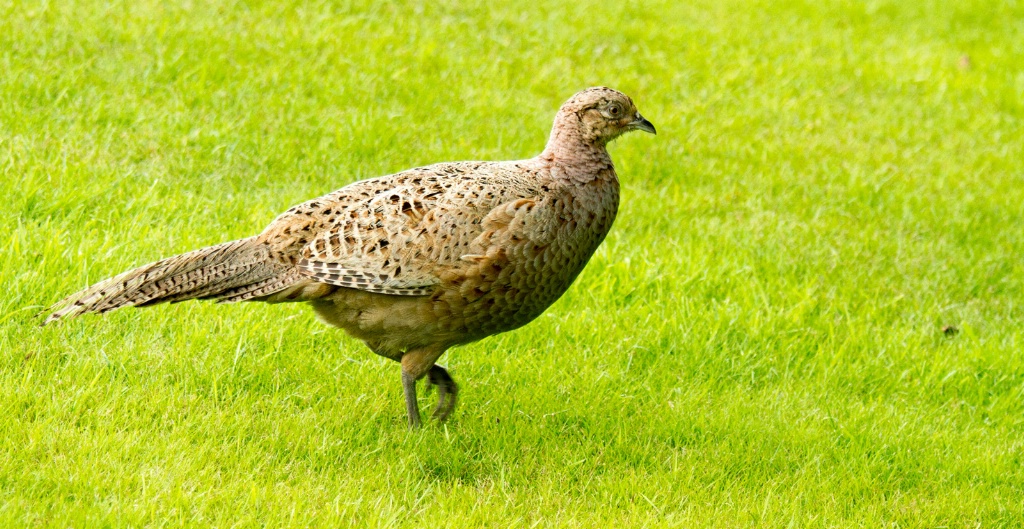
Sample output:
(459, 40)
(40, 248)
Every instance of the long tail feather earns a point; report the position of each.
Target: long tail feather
(231, 268)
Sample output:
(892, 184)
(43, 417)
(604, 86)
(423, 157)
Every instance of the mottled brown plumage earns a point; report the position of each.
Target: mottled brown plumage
(419, 261)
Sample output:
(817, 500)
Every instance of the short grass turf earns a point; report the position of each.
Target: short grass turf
(758, 343)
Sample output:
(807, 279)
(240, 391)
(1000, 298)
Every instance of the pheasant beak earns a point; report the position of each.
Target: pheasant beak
(641, 123)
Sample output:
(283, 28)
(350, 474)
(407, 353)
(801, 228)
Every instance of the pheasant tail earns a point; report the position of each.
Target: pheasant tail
(225, 271)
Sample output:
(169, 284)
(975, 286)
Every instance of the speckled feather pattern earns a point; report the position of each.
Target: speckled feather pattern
(423, 259)
(485, 258)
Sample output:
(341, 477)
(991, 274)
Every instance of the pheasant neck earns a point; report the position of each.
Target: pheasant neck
(570, 157)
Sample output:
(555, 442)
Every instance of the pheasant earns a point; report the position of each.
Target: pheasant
(419, 261)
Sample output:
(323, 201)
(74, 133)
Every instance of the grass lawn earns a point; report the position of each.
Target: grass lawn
(759, 342)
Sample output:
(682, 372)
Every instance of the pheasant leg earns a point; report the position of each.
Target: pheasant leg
(447, 390)
(415, 364)
(411, 406)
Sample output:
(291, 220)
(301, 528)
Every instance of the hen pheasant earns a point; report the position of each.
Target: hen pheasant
(419, 261)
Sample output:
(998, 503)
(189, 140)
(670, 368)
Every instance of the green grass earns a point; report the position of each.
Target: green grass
(758, 343)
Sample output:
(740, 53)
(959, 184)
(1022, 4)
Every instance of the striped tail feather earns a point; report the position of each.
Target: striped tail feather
(221, 271)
